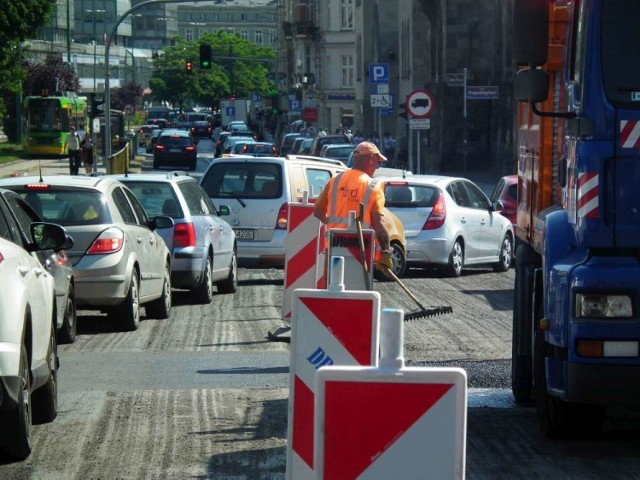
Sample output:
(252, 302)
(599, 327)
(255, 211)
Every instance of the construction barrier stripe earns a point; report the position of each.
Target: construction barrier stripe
(630, 134)
(588, 190)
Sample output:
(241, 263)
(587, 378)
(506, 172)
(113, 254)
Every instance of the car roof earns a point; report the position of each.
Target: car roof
(95, 182)
(175, 131)
(170, 177)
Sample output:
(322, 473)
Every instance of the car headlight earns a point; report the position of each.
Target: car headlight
(590, 305)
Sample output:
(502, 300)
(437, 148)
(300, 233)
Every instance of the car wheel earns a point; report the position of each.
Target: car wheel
(19, 419)
(128, 312)
(204, 292)
(505, 256)
(456, 259)
(230, 284)
(67, 334)
(161, 307)
(45, 399)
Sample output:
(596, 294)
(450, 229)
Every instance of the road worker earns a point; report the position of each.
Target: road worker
(347, 190)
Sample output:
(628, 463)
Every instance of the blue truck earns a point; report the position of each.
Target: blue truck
(576, 318)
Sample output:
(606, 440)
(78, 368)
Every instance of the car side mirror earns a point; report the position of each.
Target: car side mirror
(48, 236)
(161, 221)
(224, 210)
(497, 206)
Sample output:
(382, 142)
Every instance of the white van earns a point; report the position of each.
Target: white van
(256, 190)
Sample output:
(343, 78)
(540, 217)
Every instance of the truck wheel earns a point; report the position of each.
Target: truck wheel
(521, 367)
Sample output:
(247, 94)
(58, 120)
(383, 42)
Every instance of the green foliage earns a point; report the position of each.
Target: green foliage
(54, 76)
(238, 67)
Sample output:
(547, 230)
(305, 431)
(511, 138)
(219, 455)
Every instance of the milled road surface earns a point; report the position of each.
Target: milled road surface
(204, 394)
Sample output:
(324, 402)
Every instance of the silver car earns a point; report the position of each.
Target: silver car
(449, 222)
(119, 260)
(202, 245)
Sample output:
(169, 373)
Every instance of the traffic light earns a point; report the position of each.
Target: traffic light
(205, 56)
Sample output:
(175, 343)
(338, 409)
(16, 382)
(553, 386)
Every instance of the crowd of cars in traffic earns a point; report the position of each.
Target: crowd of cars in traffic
(119, 244)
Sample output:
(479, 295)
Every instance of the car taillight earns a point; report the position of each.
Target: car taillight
(1, 258)
(62, 259)
(159, 147)
(281, 222)
(184, 235)
(190, 148)
(109, 241)
(438, 215)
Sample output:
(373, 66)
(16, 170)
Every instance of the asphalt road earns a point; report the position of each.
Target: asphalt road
(204, 394)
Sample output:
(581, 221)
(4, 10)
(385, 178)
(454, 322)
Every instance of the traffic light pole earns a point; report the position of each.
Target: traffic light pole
(107, 77)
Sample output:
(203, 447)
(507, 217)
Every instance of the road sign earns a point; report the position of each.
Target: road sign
(310, 115)
(295, 105)
(381, 100)
(379, 73)
(332, 326)
(419, 123)
(475, 92)
(419, 104)
(455, 79)
(230, 111)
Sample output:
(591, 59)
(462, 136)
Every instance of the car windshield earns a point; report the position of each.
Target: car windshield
(404, 195)
(246, 180)
(67, 207)
(157, 198)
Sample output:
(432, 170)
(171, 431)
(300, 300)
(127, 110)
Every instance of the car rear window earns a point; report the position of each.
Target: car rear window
(245, 179)
(174, 140)
(66, 207)
(410, 196)
(157, 198)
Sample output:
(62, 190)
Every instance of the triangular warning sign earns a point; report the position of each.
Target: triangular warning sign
(349, 320)
(363, 419)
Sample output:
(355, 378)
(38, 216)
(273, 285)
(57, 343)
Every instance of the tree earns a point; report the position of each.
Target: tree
(239, 67)
(53, 76)
(130, 94)
(19, 21)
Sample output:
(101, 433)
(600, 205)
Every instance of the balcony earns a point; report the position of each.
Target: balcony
(300, 29)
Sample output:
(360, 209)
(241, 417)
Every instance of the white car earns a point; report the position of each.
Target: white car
(28, 349)
(449, 223)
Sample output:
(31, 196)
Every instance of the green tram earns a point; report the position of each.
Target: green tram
(47, 121)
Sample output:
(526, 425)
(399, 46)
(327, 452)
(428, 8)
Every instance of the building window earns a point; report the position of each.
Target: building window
(243, 17)
(244, 35)
(346, 71)
(216, 17)
(230, 17)
(189, 17)
(203, 16)
(188, 35)
(258, 36)
(273, 39)
(346, 14)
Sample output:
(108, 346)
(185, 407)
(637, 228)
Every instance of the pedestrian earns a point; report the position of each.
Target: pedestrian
(389, 146)
(322, 132)
(358, 137)
(86, 154)
(72, 146)
(81, 132)
(349, 135)
(347, 190)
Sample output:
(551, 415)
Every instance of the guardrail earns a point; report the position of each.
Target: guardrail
(120, 161)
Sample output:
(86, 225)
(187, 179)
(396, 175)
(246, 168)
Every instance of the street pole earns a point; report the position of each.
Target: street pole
(93, 12)
(68, 33)
(107, 67)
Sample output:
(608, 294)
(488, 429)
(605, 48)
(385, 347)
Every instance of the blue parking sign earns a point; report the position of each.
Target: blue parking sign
(295, 106)
(230, 111)
(379, 73)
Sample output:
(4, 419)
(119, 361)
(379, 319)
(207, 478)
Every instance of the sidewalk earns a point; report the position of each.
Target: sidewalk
(49, 166)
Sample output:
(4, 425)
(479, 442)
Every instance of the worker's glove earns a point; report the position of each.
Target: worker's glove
(385, 262)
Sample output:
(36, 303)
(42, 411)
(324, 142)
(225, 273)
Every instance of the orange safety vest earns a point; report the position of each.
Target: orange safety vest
(345, 194)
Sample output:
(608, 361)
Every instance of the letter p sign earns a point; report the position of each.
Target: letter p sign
(379, 73)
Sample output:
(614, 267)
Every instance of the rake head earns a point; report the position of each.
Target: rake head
(427, 312)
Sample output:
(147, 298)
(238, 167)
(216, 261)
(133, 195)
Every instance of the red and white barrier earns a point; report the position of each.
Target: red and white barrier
(390, 422)
(301, 253)
(329, 327)
(345, 243)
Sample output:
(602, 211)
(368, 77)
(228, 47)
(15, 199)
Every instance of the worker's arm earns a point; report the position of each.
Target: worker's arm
(382, 234)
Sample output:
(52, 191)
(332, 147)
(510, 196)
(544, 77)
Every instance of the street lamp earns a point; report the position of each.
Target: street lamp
(95, 41)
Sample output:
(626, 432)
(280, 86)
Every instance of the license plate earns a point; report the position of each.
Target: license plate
(175, 150)
(244, 234)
